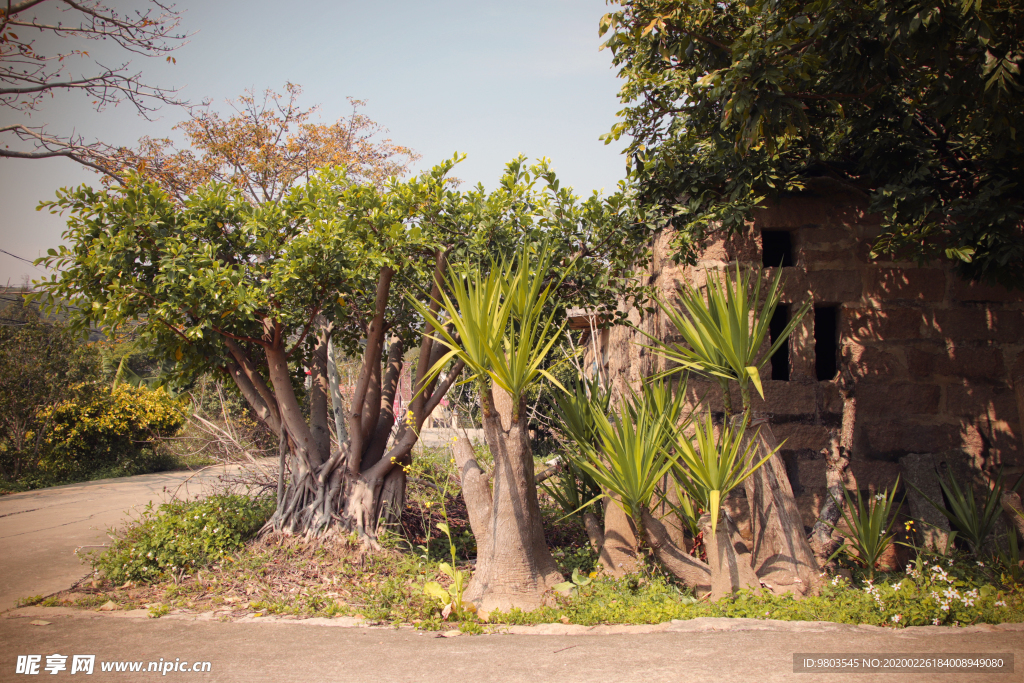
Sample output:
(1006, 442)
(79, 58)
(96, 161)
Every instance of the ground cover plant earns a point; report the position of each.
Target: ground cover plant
(293, 578)
(194, 557)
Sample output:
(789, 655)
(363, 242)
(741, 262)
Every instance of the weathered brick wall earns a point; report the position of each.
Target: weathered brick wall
(932, 356)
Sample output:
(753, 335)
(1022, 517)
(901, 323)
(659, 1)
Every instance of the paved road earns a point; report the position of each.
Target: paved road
(747, 651)
(41, 530)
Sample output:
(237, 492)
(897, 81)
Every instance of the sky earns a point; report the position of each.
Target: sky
(489, 79)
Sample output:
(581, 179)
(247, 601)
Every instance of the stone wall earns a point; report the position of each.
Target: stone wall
(931, 357)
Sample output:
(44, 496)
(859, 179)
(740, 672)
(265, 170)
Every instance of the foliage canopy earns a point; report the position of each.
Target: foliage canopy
(915, 106)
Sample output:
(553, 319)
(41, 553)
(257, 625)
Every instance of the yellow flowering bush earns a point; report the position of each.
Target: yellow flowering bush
(108, 426)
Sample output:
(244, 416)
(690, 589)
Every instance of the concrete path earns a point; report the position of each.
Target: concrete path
(41, 530)
(720, 650)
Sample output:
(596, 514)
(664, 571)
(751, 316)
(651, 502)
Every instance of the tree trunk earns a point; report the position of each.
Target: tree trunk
(361, 484)
(782, 557)
(619, 551)
(514, 566)
(837, 470)
(731, 569)
(689, 570)
(595, 534)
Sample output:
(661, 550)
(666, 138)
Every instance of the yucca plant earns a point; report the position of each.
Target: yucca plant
(711, 466)
(499, 327)
(628, 453)
(722, 333)
(870, 526)
(972, 522)
(573, 489)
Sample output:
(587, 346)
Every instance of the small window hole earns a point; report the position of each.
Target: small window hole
(780, 359)
(776, 249)
(826, 342)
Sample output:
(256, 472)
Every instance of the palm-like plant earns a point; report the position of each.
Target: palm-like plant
(970, 520)
(628, 454)
(711, 467)
(498, 323)
(870, 526)
(722, 333)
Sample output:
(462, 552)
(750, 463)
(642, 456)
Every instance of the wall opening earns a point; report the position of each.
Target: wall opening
(826, 342)
(776, 248)
(780, 359)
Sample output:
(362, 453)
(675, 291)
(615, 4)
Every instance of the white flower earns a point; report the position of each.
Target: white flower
(896, 618)
(980, 563)
(935, 622)
(945, 607)
(1000, 603)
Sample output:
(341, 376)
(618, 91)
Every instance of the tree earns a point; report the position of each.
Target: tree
(27, 76)
(914, 106)
(265, 148)
(261, 291)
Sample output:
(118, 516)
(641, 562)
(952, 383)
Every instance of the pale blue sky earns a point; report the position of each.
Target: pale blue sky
(490, 79)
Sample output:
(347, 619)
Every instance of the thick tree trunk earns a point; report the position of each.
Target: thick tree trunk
(731, 568)
(689, 570)
(514, 566)
(595, 534)
(361, 484)
(619, 551)
(782, 557)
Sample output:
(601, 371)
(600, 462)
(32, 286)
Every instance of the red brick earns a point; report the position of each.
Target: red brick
(897, 398)
(907, 284)
(961, 361)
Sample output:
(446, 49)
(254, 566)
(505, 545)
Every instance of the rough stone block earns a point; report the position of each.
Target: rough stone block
(978, 324)
(890, 323)
(835, 286)
(962, 290)
(786, 398)
(799, 436)
(955, 361)
(831, 399)
(891, 439)
(981, 400)
(919, 473)
(898, 398)
(875, 361)
(824, 238)
(874, 475)
(907, 284)
(793, 213)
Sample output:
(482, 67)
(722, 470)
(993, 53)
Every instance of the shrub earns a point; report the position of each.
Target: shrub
(109, 426)
(180, 537)
(41, 365)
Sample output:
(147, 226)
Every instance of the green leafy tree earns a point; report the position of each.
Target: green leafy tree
(262, 291)
(917, 106)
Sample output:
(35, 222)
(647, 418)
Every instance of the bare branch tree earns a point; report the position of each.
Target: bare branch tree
(28, 75)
